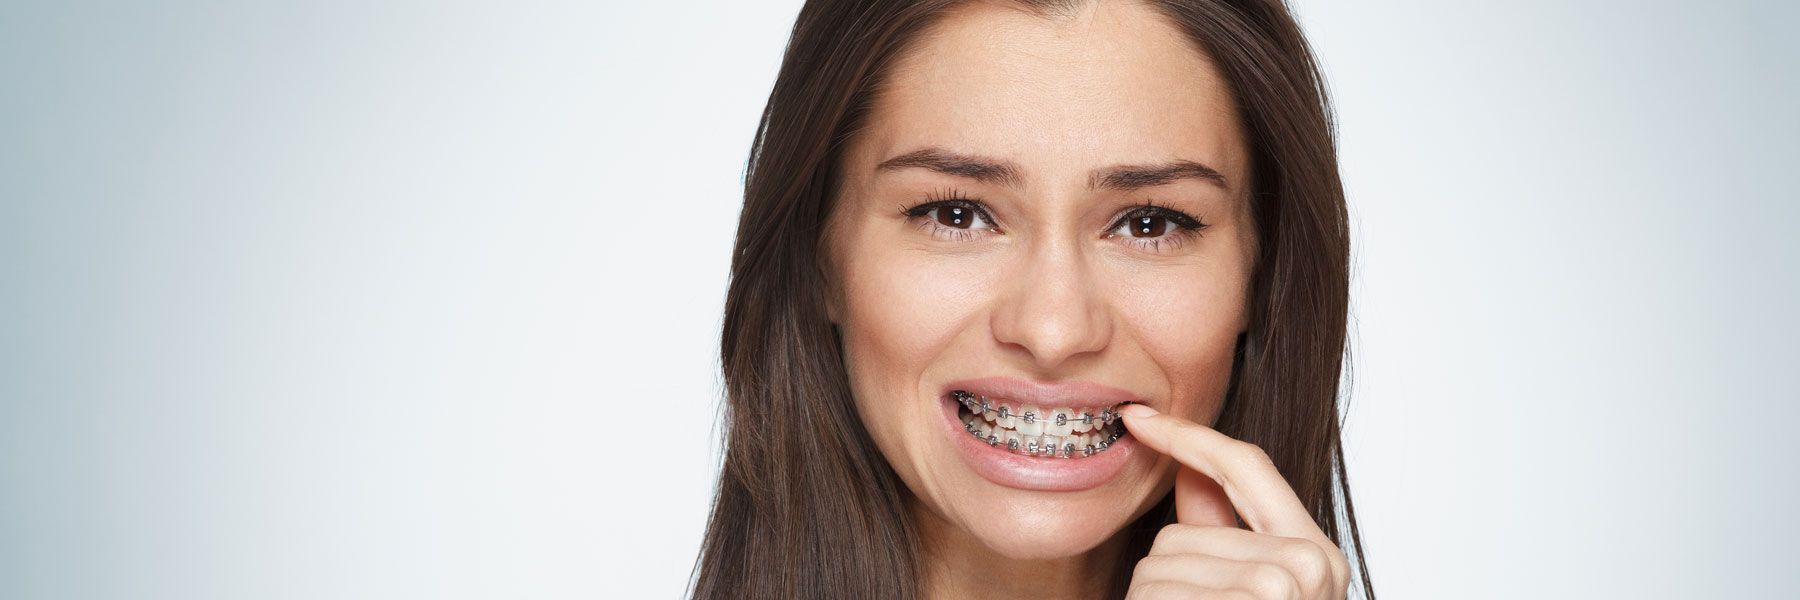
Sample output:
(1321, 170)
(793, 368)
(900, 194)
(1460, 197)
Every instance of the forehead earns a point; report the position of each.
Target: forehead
(1112, 83)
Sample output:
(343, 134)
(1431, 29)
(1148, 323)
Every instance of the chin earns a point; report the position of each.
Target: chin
(1040, 531)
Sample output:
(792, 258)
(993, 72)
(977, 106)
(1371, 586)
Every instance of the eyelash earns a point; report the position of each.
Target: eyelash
(1185, 227)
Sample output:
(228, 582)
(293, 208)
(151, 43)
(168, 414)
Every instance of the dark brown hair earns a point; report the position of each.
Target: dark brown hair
(806, 506)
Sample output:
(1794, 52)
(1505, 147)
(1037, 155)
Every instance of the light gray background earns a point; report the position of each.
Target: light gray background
(419, 299)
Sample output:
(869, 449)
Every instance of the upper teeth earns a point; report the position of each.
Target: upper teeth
(1034, 420)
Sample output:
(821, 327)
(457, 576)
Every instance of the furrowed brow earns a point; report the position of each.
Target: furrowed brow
(979, 168)
(1132, 177)
(997, 171)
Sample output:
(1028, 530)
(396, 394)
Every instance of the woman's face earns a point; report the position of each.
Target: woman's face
(1048, 136)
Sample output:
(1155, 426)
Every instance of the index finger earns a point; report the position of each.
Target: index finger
(1256, 489)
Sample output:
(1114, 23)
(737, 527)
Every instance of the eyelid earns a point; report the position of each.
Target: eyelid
(950, 199)
(1151, 208)
(1185, 228)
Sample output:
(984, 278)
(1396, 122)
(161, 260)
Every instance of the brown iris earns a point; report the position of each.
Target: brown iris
(954, 216)
(1149, 226)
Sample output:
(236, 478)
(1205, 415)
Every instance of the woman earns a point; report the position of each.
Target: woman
(997, 263)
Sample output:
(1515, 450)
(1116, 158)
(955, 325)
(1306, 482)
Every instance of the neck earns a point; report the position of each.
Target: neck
(957, 565)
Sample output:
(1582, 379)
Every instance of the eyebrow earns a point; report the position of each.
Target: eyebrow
(997, 171)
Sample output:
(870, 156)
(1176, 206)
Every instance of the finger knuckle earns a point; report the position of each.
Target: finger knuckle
(1340, 568)
(1309, 562)
(1149, 566)
(1268, 581)
(1251, 455)
(1172, 537)
(1336, 564)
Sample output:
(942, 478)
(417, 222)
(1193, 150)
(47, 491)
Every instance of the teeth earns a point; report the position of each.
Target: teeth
(1006, 418)
(1060, 424)
(1014, 416)
(1038, 431)
(1079, 425)
(1030, 422)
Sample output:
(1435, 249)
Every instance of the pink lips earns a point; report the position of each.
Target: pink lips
(1073, 394)
(1053, 474)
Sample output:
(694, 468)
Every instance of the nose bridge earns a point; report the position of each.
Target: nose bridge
(1055, 309)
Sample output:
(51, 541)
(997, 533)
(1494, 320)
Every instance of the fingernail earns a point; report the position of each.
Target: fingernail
(1136, 410)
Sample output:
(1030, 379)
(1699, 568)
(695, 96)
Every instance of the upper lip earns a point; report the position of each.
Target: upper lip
(1072, 394)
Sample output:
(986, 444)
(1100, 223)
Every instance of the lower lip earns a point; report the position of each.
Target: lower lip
(1049, 474)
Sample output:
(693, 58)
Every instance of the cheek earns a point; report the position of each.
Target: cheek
(1188, 324)
(901, 310)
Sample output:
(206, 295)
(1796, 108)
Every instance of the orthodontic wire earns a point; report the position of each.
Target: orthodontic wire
(1107, 419)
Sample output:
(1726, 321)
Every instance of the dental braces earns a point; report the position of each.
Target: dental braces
(979, 404)
(1032, 448)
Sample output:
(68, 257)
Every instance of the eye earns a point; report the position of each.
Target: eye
(1156, 228)
(1149, 226)
(954, 217)
(958, 217)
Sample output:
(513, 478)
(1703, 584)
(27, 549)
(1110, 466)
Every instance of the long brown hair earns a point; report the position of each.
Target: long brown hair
(806, 506)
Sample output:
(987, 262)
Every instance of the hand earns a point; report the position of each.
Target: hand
(1205, 554)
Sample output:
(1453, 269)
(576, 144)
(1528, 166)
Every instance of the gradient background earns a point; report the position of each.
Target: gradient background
(371, 300)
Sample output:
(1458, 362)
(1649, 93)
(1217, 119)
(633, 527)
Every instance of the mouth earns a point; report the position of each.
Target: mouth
(1036, 431)
(1030, 448)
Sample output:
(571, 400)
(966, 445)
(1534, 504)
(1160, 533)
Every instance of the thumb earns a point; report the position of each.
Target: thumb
(1200, 501)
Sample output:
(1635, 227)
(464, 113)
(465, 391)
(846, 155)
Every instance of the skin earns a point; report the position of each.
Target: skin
(1043, 283)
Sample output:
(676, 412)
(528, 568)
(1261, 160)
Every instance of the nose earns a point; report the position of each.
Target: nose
(1052, 309)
